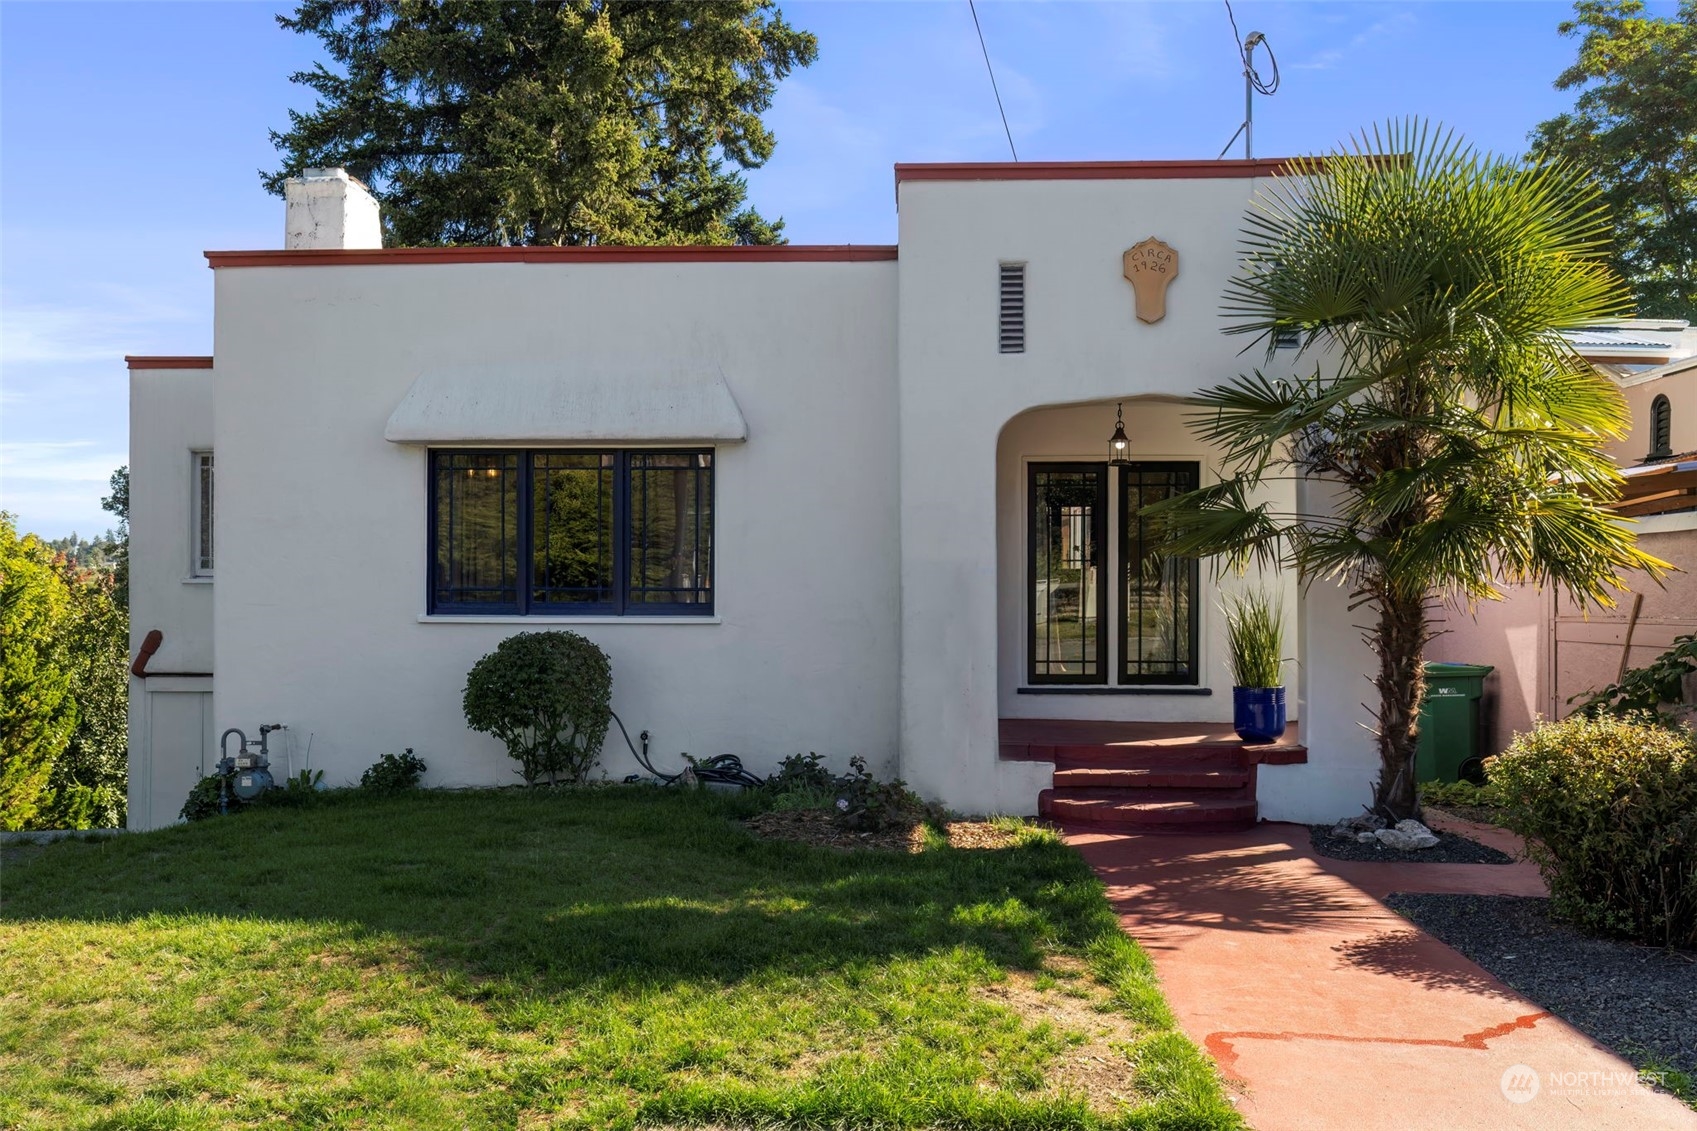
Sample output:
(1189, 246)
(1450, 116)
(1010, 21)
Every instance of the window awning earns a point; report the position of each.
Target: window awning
(569, 403)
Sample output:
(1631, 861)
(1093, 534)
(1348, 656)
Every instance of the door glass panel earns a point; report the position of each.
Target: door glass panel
(1158, 594)
(1068, 515)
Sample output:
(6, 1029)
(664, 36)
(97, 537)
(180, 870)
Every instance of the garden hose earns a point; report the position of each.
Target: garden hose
(721, 769)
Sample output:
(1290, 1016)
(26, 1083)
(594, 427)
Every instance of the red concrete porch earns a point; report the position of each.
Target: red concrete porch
(1146, 777)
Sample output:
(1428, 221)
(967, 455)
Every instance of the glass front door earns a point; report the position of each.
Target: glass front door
(1067, 598)
(1158, 593)
(1154, 606)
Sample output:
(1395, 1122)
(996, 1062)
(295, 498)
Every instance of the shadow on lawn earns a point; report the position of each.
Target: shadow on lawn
(610, 888)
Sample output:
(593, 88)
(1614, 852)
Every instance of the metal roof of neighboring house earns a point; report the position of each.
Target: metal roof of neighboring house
(1614, 339)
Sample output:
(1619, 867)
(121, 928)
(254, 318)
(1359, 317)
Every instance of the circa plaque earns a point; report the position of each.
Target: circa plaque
(1149, 267)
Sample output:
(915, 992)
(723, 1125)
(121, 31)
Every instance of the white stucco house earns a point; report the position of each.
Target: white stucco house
(846, 499)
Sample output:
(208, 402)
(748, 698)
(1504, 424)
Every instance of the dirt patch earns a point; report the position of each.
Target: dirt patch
(1094, 1065)
(819, 828)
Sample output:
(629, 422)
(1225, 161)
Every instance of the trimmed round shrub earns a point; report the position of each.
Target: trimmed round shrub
(1608, 807)
(547, 696)
(393, 773)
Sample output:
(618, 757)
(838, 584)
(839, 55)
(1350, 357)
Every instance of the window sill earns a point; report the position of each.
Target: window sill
(1096, 689)
(197, 581)
(437, 618)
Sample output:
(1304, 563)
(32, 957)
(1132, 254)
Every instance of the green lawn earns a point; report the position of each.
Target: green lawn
(606, 958)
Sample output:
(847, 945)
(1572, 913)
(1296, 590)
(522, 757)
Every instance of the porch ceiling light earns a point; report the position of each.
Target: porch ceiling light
(1119, 447)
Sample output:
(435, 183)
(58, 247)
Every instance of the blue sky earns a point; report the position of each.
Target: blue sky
(131, 136)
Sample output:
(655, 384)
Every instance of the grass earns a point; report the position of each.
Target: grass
(1679, 1084)
(607, 958)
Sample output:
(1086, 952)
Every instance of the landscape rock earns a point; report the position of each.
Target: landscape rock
(1407, 836)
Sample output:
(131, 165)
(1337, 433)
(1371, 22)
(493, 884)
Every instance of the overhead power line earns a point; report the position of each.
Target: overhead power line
(994, 89)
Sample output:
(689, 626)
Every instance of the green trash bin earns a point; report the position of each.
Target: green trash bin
(1450, 743)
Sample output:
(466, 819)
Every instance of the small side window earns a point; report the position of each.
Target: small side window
(201, 552)
(1661, 429)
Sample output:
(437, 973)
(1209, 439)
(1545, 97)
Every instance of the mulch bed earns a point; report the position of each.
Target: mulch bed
(1452, 848)
(1639, 1001)
(819, 828)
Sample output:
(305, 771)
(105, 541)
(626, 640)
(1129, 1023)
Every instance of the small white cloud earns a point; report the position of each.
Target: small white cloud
(62, 461)
(55, 486)
(1379, 29)
(122, 320)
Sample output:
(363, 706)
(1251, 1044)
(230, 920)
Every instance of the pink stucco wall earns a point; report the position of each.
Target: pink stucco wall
(1546, 653)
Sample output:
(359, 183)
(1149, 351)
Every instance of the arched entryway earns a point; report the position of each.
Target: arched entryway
(1106, 647)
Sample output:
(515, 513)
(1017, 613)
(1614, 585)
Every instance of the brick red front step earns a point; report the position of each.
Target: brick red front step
(1146, 777)
(1148, 810)
(1193, 776)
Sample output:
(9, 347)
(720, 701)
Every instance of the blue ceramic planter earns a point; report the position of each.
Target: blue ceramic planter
(1258, 714)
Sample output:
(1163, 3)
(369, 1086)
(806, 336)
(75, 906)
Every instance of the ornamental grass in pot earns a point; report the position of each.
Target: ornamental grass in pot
(1255, 633)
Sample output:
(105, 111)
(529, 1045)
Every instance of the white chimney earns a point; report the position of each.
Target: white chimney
(326, 208)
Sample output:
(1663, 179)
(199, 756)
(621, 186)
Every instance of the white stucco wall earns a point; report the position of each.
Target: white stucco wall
(1083, 343)
(170, 419)
(322, 531)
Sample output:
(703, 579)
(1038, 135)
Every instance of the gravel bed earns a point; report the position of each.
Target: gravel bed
(1639, 1001)
(1452, 848)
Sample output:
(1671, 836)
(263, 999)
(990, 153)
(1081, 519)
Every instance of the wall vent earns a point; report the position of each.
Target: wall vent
(1011, 327)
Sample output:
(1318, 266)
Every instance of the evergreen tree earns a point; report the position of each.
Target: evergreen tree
(554, 122)
(118, 503)
(37, 711)
(1634, 126)
(89, 780)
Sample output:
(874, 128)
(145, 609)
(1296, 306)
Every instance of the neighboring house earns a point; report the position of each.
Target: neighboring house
(828, 498)
(1547, 651)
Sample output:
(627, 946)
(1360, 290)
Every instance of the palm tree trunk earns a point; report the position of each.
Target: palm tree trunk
(1400, 641)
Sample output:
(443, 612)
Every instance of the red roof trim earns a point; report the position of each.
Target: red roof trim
(1093, 170)
(395, 256)
(135, 362)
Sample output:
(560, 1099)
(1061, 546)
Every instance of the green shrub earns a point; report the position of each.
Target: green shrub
(1608, 807)
(548, 697)
(203, 800)
(393, 773)
(801, 773)
(1447, 794)
(868, 805)
(1646, 689)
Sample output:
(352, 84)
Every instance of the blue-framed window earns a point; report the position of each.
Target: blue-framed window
(561, 532)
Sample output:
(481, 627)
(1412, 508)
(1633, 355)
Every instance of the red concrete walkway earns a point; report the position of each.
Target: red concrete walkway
(1325, 1009)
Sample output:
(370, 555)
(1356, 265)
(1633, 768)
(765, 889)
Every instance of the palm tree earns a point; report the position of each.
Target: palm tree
(1452, 428)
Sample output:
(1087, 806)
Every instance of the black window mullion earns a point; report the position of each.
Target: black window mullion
(621, 531)
(523, 573)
